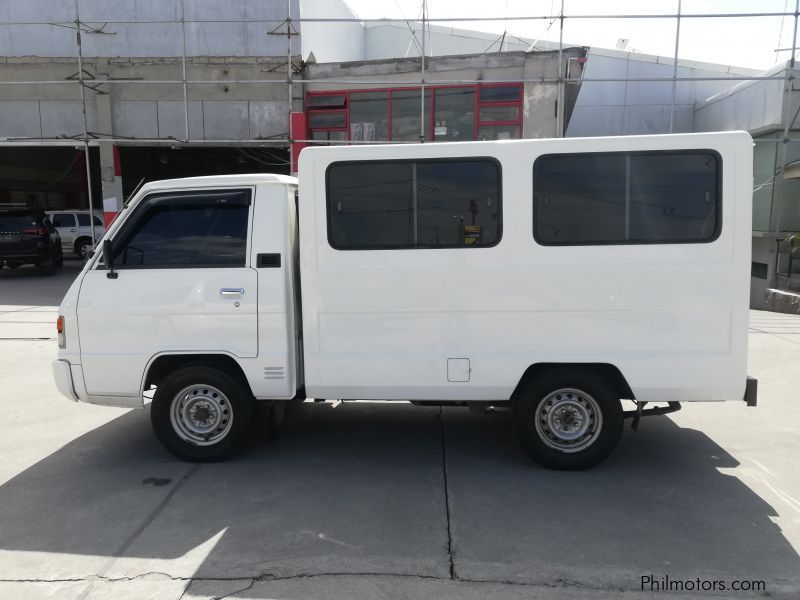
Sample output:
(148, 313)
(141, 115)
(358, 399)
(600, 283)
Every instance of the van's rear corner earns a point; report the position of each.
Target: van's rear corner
(67, 370)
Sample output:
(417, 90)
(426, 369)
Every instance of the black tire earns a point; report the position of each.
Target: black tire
(60, 262)
(177, 438)
(579, 395)
(83, 248)
(49, 265)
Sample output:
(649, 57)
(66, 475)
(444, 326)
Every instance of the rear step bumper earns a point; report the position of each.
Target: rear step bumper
(751, 391)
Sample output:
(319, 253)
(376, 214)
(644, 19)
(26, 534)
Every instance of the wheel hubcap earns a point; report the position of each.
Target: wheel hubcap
(201, 415)
(568, 420)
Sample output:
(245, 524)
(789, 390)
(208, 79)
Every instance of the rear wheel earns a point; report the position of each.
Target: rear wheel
(83, 248)
(202, 414)
(568, 419)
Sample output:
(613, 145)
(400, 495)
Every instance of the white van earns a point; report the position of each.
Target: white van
(555, 276)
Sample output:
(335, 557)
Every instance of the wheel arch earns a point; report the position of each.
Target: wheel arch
(79, 239)
(162, 364)
(607, 371)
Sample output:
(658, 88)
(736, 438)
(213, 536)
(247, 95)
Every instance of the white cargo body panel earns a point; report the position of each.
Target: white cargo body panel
(466, 323)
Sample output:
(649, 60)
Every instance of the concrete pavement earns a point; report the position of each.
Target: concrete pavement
(393, 501)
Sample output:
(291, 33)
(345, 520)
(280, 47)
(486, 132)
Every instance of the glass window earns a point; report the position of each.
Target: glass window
(509, 93)
(406, 115)
(408, 204)
(458, 203)
(11, 223)
(64, 220)
(498, 132)
(619, 198)
(207, 229)
(580, 198)
(499, 113)
(673, 197)
(83, 220)
(325, 100)
(369, 205)
(324, 118)
(454, 117)
(329, 135)
(369, 116)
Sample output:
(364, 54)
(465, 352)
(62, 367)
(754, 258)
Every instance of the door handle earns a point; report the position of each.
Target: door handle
(73, 230)
(232, 291)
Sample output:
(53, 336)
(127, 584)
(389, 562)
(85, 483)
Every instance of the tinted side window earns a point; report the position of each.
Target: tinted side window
(370, 205)
(626, 198)
(673, 197)
(64, 220)
(83, 219)
(98, 221)
(414, 204)
(198, 229)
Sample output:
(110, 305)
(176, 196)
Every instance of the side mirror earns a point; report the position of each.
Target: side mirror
(108, 259)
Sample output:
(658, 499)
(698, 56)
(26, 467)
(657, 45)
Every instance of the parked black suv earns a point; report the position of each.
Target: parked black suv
(28, 237)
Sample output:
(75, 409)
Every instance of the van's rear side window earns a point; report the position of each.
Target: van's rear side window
(381, 205)
(627, 197)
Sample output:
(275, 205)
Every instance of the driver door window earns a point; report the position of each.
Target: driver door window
(187, 230)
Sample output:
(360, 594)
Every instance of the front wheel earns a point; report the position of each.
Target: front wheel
(568, 419)
(201, 414)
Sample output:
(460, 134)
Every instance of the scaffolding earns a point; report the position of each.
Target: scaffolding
(291, 26)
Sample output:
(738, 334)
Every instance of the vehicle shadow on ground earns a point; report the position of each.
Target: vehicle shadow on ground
(27, 286)
(360, 488)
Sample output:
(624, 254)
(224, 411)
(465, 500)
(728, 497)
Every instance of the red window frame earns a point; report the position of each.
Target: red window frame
(331, 106)
(344, 111)
(431, 107)
(491, 103)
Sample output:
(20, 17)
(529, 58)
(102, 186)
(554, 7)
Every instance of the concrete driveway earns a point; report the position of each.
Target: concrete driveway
(366, 500)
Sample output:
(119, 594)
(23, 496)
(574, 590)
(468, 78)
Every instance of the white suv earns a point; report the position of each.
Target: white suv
(75, 230)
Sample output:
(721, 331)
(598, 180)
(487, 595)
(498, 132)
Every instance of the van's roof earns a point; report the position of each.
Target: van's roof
(217, 180)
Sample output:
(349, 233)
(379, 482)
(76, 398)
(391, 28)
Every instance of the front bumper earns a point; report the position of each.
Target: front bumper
(62, 374)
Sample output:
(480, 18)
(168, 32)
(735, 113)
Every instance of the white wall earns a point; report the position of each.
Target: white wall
(332, 41)
(749, 105)
(626, 108)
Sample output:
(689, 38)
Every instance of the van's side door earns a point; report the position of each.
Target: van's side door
(182, 284)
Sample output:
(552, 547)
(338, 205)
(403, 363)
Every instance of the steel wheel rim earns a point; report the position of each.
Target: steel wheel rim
(84, 250)
(201, 415)
(568, 420)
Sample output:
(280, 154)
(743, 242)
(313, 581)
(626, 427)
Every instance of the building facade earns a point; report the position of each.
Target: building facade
(97, 96)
